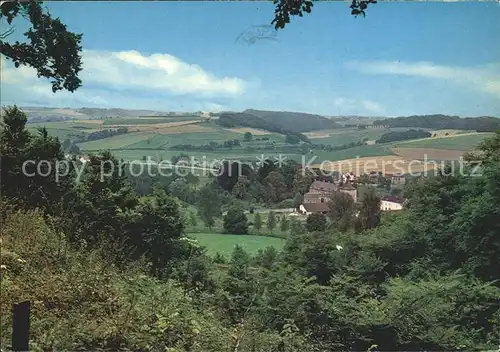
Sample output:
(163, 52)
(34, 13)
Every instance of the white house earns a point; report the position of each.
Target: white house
(391, 203)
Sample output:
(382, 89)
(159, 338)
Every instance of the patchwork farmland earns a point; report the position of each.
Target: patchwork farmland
(348, 148)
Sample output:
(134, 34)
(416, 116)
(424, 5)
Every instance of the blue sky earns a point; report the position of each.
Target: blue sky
(402, 59)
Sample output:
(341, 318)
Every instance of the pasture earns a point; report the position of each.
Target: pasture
(463, 141)
(225, 243)
(428, 153)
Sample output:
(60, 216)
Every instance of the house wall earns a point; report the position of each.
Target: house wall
(390, 206)
(398, 180)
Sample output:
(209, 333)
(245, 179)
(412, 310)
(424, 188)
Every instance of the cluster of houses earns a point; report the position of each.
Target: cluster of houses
(318, 197)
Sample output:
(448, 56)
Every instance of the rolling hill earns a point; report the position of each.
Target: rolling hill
(295, 121)
(439, 122)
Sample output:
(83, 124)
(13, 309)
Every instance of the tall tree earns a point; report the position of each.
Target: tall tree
(247, 136)
(257, 221)
(342, 210)
(276, 181)
(235, 221)
(209, 204)
(369, 208)
(302, 181)
(316, 222)
(284, 223)
(52, 50)
(154, 229)
(271, 221)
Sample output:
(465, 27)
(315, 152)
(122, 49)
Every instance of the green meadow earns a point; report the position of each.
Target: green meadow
(225, 243)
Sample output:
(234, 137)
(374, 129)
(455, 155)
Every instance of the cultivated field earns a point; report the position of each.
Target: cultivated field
(253, 131)
(156, 136)
(225, 243)
(463, 141)
(429, 153)
(384, 164)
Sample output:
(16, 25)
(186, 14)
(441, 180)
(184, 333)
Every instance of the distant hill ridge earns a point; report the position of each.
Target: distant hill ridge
(440, 122)
(295, 121)
(230, 120)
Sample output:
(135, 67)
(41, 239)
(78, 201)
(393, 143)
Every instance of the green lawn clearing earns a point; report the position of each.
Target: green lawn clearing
(225, 243)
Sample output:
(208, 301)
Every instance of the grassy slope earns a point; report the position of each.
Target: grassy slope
(351, 153)
(216, 242)
(458, 142)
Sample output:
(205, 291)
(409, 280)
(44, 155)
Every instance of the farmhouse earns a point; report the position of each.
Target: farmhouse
(316, 200)
(391, 203)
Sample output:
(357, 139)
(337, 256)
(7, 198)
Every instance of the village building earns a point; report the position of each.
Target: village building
(316, 200)
(391, 203)
(398, 179)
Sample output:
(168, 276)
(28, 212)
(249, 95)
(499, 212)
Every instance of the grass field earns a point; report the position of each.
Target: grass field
(351, 153)
(345, 136)
(429, 153)
(148, 120)
(456, 142)
(224, 244)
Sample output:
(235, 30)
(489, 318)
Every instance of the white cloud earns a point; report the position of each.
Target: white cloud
(126, 79)
(357, 106)
(484, 78)
(161, 72)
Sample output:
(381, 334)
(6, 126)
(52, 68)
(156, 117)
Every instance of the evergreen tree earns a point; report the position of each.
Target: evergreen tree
(271, 221)
(235, 221)
(284, 224)
(257, 222)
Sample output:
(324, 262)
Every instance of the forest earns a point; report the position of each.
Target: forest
(110, 269)
(395, 136)
(439, 122)
(244, 119)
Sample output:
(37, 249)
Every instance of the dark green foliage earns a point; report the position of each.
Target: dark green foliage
(292, 139)
(230, 173)
(31, 164)
(284, 223)
(271, 221)
(369, 208)
(295, 121)
(106, 133)
(441, 122)
(286, 8)
(107, 269)
(342, 210)
(247, 137)
(53, 51)
(276, 186)
(316, 222)
(153, 229)
(235, 221)
(257, 222)
(267, 257)
(230, 120)
(209, 204)
(402, 136)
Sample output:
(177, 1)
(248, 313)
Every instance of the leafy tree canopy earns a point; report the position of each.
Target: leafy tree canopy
(50, 48)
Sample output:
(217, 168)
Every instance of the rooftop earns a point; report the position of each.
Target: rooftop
(316, 207)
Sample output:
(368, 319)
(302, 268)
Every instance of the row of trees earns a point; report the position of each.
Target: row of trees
(440, 122)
